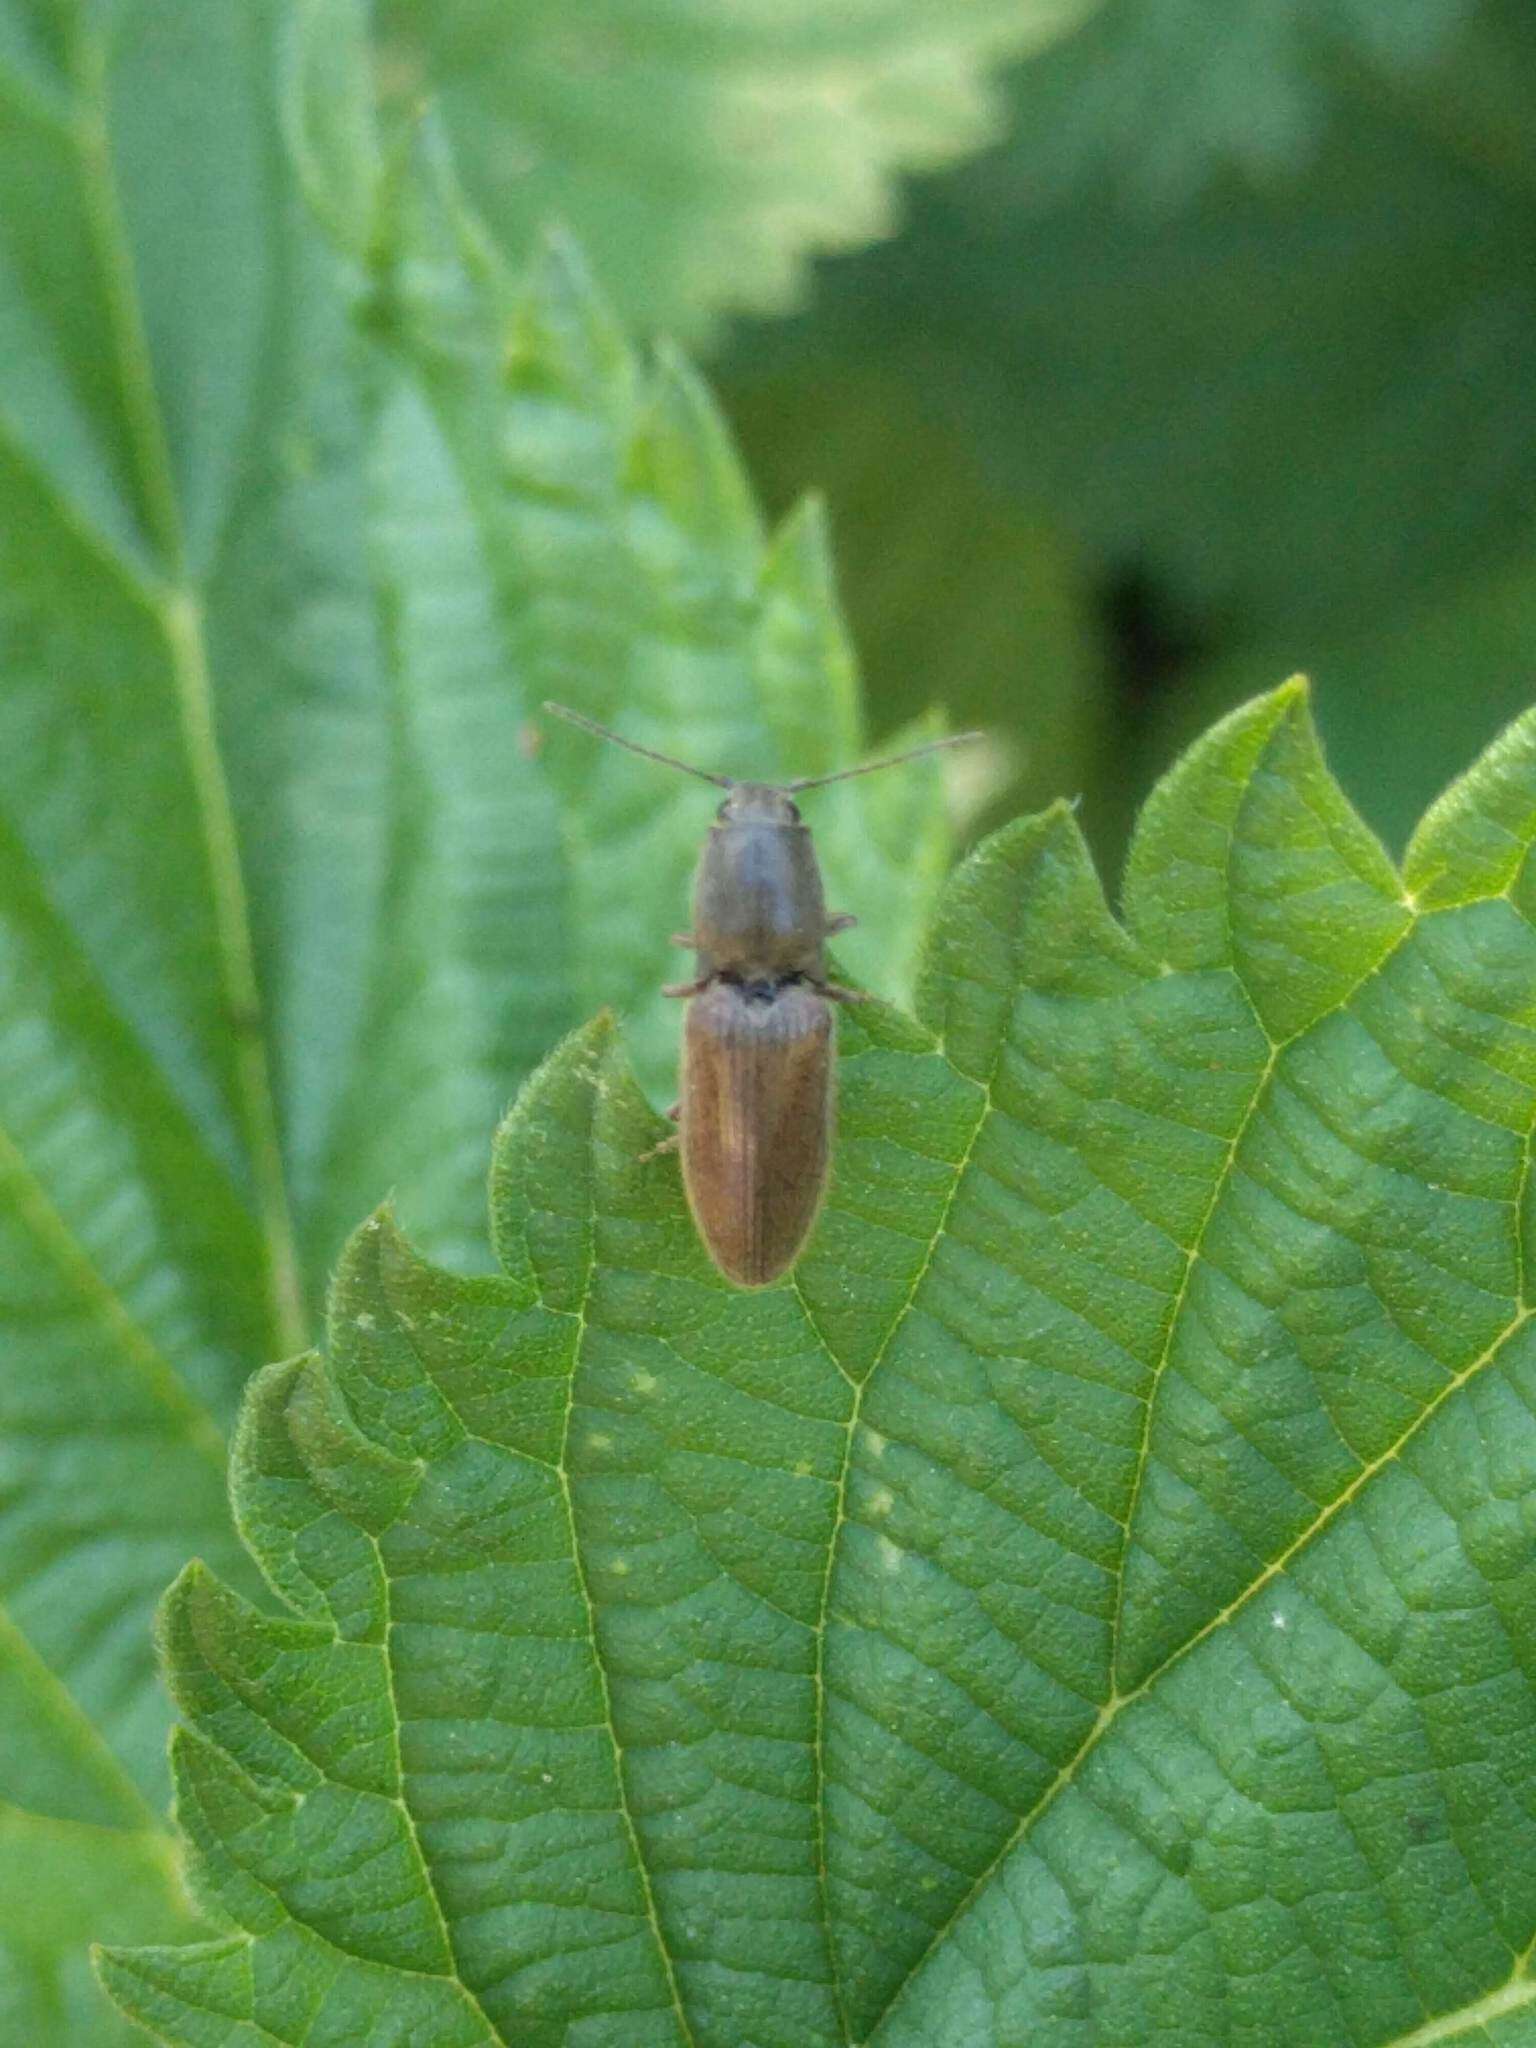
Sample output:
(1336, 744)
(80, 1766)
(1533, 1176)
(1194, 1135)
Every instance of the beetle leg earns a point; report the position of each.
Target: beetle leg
(684, 988)
(839, 921)
(836, 993)
(684, 939)
(666, 1144)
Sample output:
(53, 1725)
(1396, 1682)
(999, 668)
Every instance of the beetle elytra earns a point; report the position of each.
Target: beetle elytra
(756, 1098)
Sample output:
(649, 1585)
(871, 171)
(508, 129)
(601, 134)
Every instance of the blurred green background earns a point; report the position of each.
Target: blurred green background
(1220, 364)
(1209, 359)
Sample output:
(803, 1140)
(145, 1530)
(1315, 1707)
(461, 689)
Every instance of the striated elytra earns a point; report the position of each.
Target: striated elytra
(756, 1096)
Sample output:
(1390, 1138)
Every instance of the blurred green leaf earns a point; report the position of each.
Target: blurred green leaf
(1476, 99)
(1399, 702)
(954, 596)
(701, 153)
(1160, 97)
(638, 586)
(1290, 404)
(1092, 1602)
(286, 893)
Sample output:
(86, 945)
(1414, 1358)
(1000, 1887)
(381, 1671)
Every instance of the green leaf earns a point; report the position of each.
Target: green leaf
(637, 585)
(285, 889)
(1434, 680)
(1160, 97)
(999, 630)
(1292, 403)
(1092, 1601)
(704, 156)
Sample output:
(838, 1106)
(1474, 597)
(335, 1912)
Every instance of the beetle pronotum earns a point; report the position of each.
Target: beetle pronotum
(756, 1097)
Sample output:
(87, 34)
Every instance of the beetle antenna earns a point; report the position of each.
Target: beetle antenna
(605, 732)
(959, 739)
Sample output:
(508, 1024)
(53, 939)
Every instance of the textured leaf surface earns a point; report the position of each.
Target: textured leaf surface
(285, 896)
(704, 154)
(1093, 1602)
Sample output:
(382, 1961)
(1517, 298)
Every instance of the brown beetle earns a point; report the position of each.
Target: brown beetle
(755, 1107)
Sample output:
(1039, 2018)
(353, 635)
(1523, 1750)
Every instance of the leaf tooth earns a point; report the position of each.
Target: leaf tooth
(1025, 910)
(423, 1358)
(342, 1863)
(682, 454)
(216, 1652)
(290, 1701)
(540, 1185)
(1174, 894)
(803, 655)
(271, 1488)
(307, 1488)
(215, 1803)
(1475, 839)
(563, 339)
(354, 1474)
(375, 1317)
(800, 553)
(1250, 857)
(639, 1199)
(176, 1990)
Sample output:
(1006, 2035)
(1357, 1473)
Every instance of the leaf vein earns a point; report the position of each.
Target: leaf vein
(1110, 1712)
(579, 1321)
(402, 1799)
(33, 1204)
(180, 618)
(20, 1647)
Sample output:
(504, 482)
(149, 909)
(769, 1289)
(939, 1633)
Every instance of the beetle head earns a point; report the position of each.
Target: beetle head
(758, 803)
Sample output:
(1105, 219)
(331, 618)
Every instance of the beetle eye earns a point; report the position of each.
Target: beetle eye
(793, 810)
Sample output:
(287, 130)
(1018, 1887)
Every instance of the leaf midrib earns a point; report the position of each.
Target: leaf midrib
(177, 608)
(840, 1511)
(578, 1317)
